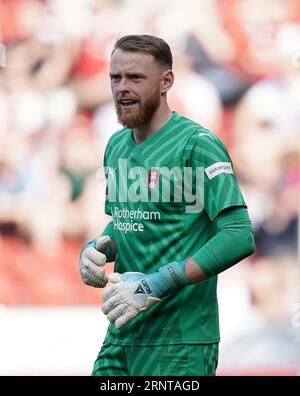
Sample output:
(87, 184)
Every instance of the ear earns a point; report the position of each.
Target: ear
(166, 81)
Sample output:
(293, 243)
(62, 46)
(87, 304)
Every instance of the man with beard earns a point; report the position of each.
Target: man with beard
(178, 219)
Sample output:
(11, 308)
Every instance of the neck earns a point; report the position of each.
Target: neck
(160, 117)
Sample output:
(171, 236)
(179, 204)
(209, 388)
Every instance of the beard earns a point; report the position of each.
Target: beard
(141, 114)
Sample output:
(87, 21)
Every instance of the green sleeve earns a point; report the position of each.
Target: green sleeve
(232, 242)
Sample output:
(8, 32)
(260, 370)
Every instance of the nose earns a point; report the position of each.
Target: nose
(123, 85)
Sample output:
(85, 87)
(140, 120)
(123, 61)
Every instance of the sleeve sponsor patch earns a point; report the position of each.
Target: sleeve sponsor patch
(217, 168)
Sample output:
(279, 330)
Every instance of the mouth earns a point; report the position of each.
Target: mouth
(127, 103)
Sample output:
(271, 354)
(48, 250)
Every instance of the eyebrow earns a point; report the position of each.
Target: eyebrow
(133, 73)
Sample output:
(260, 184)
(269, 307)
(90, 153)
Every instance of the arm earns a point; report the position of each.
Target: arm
(232, 243)
(133, 293)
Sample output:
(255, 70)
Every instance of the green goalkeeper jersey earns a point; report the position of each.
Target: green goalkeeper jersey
(164, 195)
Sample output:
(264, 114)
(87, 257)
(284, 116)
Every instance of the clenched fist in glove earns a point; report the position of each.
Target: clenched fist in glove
(92, 260)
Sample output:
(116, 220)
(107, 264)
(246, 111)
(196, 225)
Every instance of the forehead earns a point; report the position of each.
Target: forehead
(132, 61)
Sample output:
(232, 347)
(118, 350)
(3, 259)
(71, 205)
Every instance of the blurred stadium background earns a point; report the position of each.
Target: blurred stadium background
(237, 66)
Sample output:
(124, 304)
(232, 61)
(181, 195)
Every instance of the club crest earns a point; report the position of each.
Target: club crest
(153, 178)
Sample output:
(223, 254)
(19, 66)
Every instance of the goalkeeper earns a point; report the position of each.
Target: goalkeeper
(162, 300)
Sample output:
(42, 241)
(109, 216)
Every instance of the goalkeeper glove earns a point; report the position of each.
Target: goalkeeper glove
(92, 260)
(135, 292)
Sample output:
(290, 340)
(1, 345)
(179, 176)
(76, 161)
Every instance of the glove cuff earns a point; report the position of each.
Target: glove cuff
(174, 275)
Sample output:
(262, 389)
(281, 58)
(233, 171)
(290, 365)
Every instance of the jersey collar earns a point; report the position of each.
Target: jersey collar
(152, 138)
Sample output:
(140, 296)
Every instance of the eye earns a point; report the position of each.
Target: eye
(115, 77)
(135, 77)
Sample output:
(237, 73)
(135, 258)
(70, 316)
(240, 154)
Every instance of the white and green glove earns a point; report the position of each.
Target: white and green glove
(92, 260)
(135, 292)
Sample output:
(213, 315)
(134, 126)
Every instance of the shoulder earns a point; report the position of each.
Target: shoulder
(118, 135)
(203, 139)
(200, 142)
(196, 130)
(204, 146)
(190, 132)
(117, 138)
(186, 123)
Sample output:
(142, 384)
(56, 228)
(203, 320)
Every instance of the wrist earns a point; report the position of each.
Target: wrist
(168, 279)
(174, 275)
